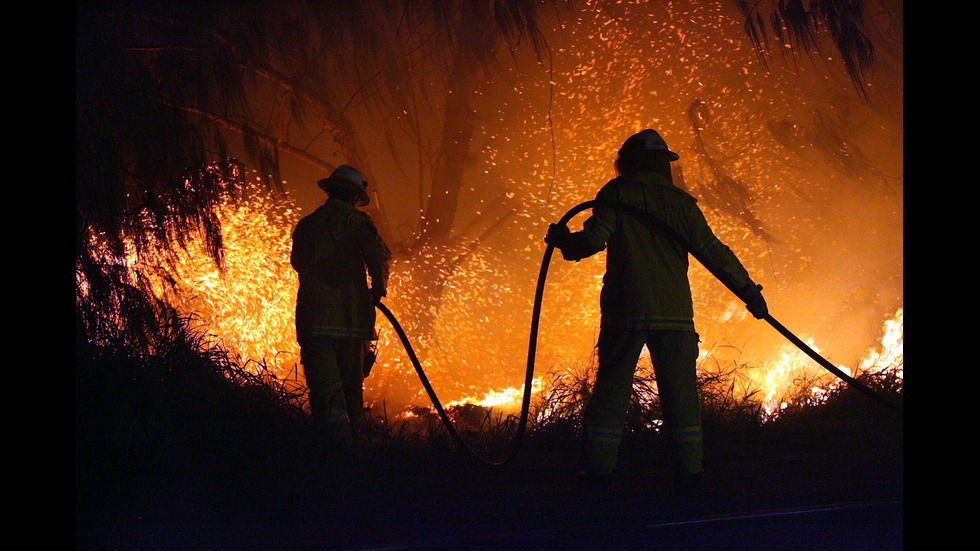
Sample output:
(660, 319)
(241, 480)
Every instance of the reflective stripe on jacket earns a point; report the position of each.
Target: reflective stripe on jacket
(646, 284)
(331, 249)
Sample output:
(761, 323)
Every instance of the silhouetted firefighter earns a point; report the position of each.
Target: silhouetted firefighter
(335, 313)
(646, 299)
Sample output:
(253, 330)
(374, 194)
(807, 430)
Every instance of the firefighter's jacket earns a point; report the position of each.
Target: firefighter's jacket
(334, 249)
(646, 283)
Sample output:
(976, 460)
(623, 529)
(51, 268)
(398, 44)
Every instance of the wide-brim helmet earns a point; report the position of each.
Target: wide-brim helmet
(646, 141)
(346, 177)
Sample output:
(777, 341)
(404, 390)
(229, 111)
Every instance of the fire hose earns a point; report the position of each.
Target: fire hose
(533, 338)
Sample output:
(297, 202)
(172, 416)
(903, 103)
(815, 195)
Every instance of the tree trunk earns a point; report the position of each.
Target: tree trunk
(435, 232)
(465, 80)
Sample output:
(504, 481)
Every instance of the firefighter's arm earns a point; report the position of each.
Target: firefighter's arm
(719, 259)
(723, 264)
(573, 246)
(377, 258)
(378, 269)
(596, 231)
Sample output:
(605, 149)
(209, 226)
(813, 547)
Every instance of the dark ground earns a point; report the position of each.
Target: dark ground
(795, 496)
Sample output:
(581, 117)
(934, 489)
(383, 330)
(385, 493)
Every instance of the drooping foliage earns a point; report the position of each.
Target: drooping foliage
(799, 26)
(160, 88)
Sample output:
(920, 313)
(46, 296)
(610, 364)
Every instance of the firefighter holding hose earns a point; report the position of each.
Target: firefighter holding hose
(334, 249)
(646, 300)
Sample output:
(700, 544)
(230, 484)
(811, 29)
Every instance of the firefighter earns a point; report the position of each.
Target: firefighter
(646, 300)
(334, 250)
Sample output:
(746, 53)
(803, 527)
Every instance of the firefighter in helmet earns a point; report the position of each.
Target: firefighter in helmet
(335, 249)
(646, 300)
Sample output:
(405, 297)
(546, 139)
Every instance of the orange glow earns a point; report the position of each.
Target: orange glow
(250, 308)
(508, 399)
(832, 272)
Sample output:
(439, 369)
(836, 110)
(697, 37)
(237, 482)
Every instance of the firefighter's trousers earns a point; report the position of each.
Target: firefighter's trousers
(674, 356)
(335, 380)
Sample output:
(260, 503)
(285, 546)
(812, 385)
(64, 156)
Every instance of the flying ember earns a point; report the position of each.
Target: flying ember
(796, 173)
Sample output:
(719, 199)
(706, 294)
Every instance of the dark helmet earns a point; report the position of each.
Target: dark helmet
(645, 141)
(347, 178)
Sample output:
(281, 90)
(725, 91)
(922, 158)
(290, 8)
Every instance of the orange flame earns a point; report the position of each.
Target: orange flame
(250, 308)
(614, 75)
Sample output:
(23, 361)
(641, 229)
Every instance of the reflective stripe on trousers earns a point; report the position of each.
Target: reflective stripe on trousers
(674, 357)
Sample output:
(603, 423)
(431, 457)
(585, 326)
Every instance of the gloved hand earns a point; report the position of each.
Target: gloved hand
(557, 235)
(755, 303)
(377, 294)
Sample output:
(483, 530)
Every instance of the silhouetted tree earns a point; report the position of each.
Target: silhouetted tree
(160, 88)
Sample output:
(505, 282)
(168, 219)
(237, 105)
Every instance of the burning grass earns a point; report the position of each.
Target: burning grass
(190, 428)
(249, 305)
(188, 432)
(196, 414)
(190, 411)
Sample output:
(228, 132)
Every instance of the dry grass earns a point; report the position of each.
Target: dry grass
(186, 419)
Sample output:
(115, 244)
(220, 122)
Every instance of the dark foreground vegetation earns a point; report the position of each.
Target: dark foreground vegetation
(181, 448)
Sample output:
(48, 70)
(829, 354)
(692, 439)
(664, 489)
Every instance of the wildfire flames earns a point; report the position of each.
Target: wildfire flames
(250, 307)
(800, 178)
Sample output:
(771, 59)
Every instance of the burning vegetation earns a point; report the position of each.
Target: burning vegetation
(799, 174)
(248, 307)
(201, 131)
